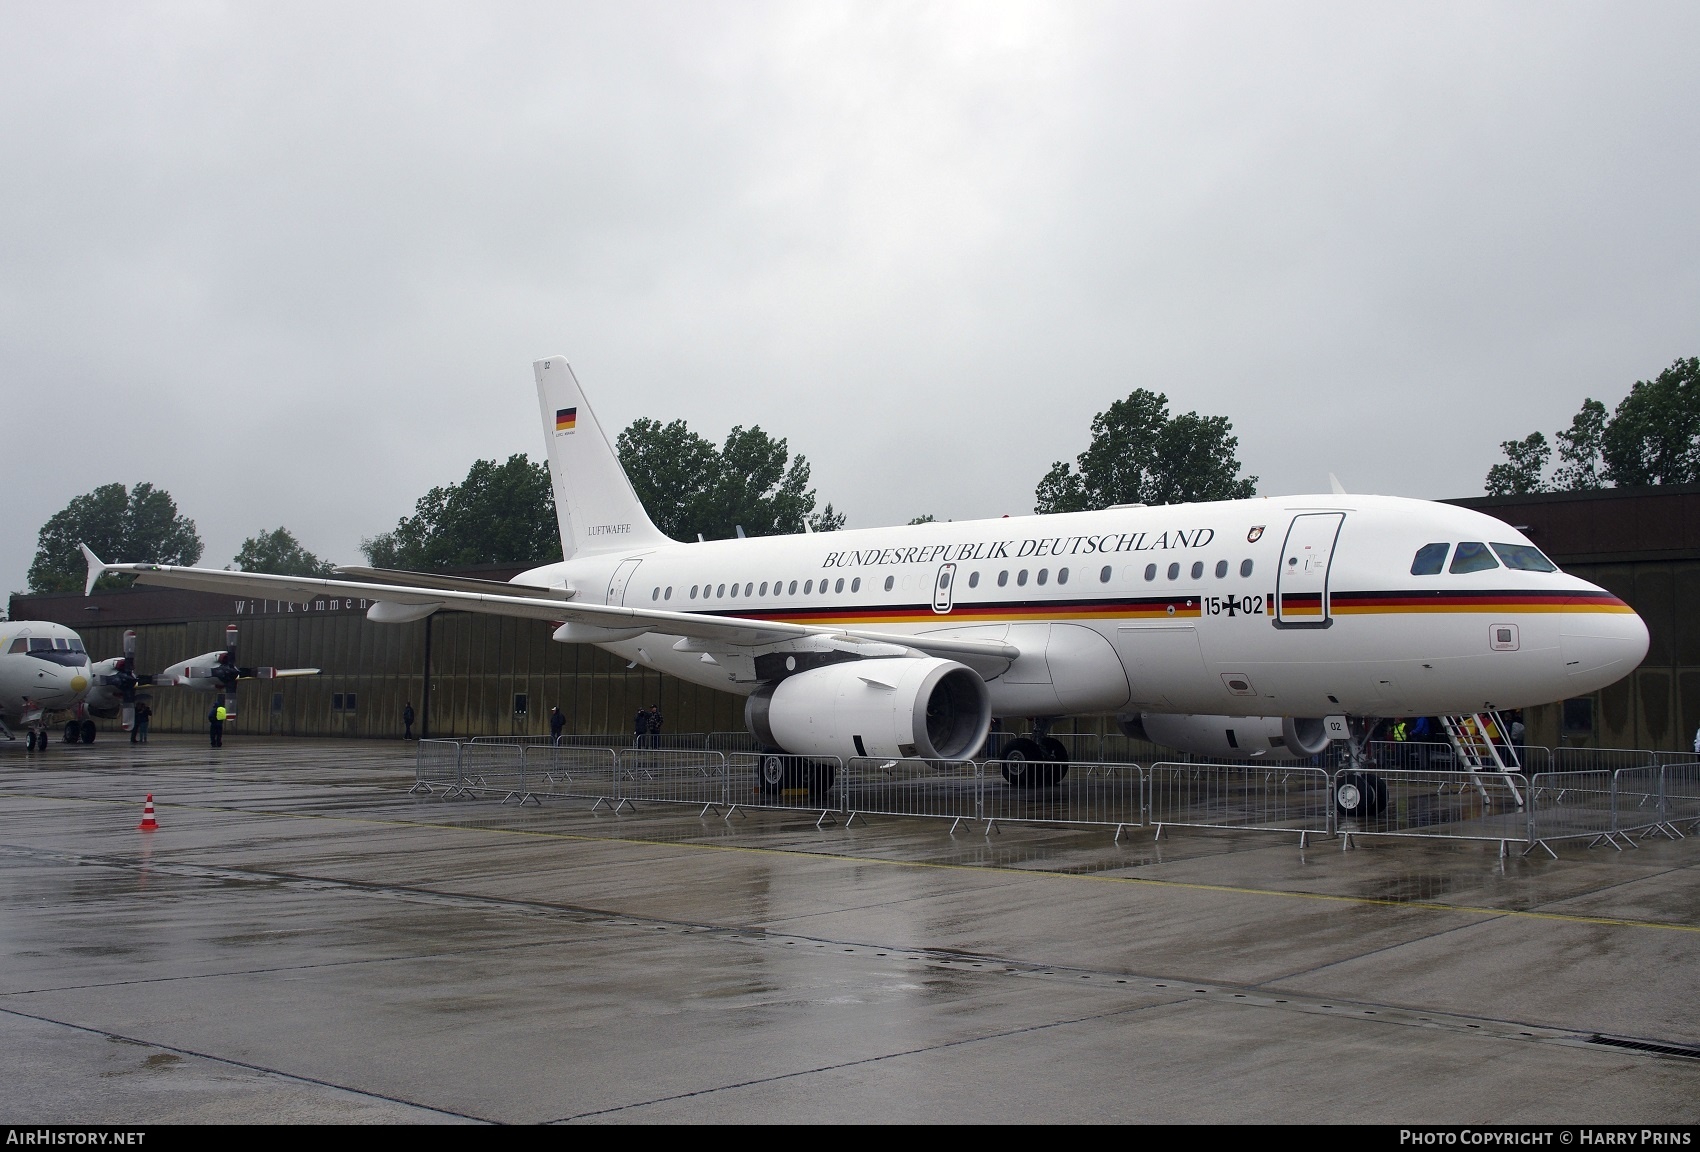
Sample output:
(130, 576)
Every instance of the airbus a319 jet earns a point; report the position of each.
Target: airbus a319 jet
(1232, 627)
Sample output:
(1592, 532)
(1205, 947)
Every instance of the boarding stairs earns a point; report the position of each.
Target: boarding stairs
(1481, 742)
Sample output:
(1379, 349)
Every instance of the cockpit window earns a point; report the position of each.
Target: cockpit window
(1524, 558)
(1472, 556)
(19, 645)
(1431, 558)
(77, 645)
(41, 644)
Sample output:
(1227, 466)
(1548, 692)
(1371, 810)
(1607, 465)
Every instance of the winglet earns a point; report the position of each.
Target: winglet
(96, 569)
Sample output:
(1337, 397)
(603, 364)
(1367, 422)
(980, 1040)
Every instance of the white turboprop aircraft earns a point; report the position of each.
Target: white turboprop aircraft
(1239, 627)
(44, 669)
(113, 691)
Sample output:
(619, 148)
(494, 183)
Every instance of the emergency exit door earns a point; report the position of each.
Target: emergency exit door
(1301, 589)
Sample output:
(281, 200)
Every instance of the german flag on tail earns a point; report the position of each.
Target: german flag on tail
(566, 419)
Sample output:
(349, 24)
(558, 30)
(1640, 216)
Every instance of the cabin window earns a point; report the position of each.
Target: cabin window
(734, 588)
(1003, 578)
(1221, 569)
(721, 592)
(668, 595)
(1021, 577)
(1429, 560)
(889, 581)
(808, 587)
(1198, 569)
(1062, 575)
(1104, 574)
(1174, 571)
(793, 589)
(1472, 556)
(1151, 571)
(656, 595)
(693, 591)
(839, 587)
(1524, 558)
(1044, 575)
(974, 578)
(1245, 567)
(856, 584)
(764, 587)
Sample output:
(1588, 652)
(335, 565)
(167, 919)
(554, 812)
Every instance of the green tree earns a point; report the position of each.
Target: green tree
(501, 513)
(688, 486)
(1521, 472)
(1579, 448)
(279, 553)
(1139, 455)
(1654, 436)
(138, 526)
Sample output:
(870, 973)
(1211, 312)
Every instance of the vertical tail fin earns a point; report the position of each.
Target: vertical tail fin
(594, 501)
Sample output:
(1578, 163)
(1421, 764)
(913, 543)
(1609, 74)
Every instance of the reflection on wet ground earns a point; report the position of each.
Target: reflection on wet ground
(304, 940)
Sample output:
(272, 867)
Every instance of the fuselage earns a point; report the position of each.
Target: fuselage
(43, 668)
(1304, 605)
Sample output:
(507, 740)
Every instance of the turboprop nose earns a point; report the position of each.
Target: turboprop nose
(1601, 644)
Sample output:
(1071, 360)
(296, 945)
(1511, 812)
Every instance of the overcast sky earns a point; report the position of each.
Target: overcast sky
(292, 262)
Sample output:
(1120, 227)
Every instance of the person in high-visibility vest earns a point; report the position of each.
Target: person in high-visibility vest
(215, 724)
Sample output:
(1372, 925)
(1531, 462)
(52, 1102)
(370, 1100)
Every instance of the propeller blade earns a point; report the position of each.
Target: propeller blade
(130, 713)
(230, 641)
(130, 649)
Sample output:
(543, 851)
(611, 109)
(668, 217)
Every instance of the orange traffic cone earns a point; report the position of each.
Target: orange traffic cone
(148, 824)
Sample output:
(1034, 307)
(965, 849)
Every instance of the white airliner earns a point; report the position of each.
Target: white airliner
(44, 669)
(1233, 627)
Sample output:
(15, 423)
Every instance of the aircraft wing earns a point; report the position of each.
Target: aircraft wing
(619, 621)
(449, 583)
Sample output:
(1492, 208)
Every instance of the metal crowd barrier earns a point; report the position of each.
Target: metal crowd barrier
(679, 740)
(436, 763)
(941, 789)
(1624, 794)
(567, 771)
(782, 780)
(1440, 804)
(1247, 797)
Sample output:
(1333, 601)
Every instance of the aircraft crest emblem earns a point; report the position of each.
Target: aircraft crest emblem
(1254, 535)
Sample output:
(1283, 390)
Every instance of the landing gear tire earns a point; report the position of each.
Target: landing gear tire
(30, 739)
(1030, 764)
(1361, 796)
(779, 771)
(73, 730)
(88, 732)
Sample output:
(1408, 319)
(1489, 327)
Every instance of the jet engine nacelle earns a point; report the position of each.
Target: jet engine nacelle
(1232, 737)
(902, 706)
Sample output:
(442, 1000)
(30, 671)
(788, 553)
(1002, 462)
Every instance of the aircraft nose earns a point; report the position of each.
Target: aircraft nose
(1601, 647)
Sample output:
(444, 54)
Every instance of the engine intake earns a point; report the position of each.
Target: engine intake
(890, 707)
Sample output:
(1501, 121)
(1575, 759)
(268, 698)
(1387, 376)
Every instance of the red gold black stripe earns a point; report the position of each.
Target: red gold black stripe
(1495, 601)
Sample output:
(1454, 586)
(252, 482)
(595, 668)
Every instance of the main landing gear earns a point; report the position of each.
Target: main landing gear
(780, 771)
(75, 730)
(1038, 762)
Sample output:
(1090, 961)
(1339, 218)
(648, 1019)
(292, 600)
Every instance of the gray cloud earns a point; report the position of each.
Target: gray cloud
(292, 262)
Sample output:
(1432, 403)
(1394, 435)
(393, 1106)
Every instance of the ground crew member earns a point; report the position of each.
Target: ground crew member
(407, 720)
(139, 733)
(215, 724)
(557, 721)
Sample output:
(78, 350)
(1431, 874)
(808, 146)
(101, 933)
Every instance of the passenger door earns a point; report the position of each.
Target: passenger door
(622, 577)
(944, 589)
(1301, 587)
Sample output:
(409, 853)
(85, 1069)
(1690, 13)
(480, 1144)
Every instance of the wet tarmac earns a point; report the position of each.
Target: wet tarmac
(303, 941)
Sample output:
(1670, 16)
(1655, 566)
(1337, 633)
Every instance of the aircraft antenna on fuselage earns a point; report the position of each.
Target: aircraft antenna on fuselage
(595, 504)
